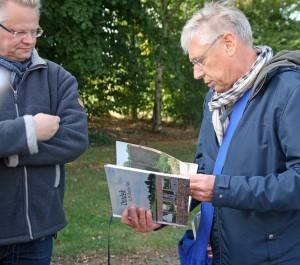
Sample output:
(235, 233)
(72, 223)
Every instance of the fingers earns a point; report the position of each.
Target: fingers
(209, 251)
(134, 218)
(201, 187)
(205, 196)
(150, 222)
(139, 219)
(46, 125)
(130, 217)
(57, 119)
(141, 213)
(125, 217)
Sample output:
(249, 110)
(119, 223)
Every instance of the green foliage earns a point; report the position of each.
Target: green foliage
(97, 138)
(114, 47)
(163, 164)
(273, 23)
(74, 35)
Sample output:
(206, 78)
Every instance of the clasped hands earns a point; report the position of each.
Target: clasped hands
(201, 189)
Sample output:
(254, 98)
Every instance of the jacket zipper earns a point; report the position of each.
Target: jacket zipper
(27, 204)
(15, 91)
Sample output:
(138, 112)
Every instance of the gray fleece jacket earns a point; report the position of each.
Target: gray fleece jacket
(32, 175)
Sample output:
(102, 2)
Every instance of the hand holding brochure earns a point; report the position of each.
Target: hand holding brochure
(148, 178)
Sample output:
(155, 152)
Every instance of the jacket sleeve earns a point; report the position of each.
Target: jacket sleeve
(277, 191)
(199, 157)
(16, 138)
(198, 160)
(71, 139)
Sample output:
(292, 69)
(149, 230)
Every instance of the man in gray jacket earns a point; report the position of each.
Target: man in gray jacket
(42, 127)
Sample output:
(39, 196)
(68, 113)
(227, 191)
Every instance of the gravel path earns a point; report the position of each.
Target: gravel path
(149, 258)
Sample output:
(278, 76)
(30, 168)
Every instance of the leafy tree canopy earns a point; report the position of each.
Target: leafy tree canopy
(127, 57)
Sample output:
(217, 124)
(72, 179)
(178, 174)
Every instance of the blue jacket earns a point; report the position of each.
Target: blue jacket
(32, 175)
(257, 197)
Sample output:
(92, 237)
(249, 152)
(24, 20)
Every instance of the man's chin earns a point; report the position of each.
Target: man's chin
(23, 56)
(219, 89)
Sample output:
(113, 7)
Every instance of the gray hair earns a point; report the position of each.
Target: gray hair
(214, 19)
(29, 3)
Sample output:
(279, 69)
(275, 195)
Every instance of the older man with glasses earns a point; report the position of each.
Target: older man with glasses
(248, 151)
(42, 126)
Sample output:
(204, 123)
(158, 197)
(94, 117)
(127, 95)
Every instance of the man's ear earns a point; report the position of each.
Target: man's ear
(230, 43)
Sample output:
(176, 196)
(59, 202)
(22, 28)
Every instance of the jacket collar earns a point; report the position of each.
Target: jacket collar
(37, 60)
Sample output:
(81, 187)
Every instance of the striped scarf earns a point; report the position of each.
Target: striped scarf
(221, 103)
(16, 67)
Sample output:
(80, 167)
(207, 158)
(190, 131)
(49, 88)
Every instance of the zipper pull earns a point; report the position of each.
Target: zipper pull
(15, 95)
(16, 102)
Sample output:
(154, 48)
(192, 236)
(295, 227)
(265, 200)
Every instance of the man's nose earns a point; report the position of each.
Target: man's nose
(29, 38)
(198, 72)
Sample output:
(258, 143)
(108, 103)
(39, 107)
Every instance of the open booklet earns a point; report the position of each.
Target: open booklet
(148, 178)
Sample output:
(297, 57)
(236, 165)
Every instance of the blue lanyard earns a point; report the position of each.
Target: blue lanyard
(236, 115)
(207, 210)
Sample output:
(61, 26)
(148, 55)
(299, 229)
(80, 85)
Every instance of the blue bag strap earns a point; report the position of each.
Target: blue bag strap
(236, 115)
(207, 210)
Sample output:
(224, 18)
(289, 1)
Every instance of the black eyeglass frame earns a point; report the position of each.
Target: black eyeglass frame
(33, 33)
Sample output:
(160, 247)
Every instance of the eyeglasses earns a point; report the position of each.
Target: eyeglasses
(22, 34)
(199, 61)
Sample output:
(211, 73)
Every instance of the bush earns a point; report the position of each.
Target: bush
(99, 138)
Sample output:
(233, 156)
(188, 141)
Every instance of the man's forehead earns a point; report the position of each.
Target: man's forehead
(202, 36)
(197, 44)
(13, 11)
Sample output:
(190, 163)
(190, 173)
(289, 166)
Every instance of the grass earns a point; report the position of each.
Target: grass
(87, 206)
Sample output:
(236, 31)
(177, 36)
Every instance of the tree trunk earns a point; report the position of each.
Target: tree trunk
(134, 113)
(157, 122)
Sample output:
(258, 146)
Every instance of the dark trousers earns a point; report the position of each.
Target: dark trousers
(36, 252)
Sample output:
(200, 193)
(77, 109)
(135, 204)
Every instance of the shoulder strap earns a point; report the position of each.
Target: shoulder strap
(207, 210)
(237, 112)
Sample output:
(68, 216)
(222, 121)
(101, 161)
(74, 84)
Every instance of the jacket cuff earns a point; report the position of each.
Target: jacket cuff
(31, 134)
(12, 161)
(221, 190)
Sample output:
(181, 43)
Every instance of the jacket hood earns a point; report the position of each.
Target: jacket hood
(283, 59)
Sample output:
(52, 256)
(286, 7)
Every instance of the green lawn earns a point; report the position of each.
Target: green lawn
(88, 209)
